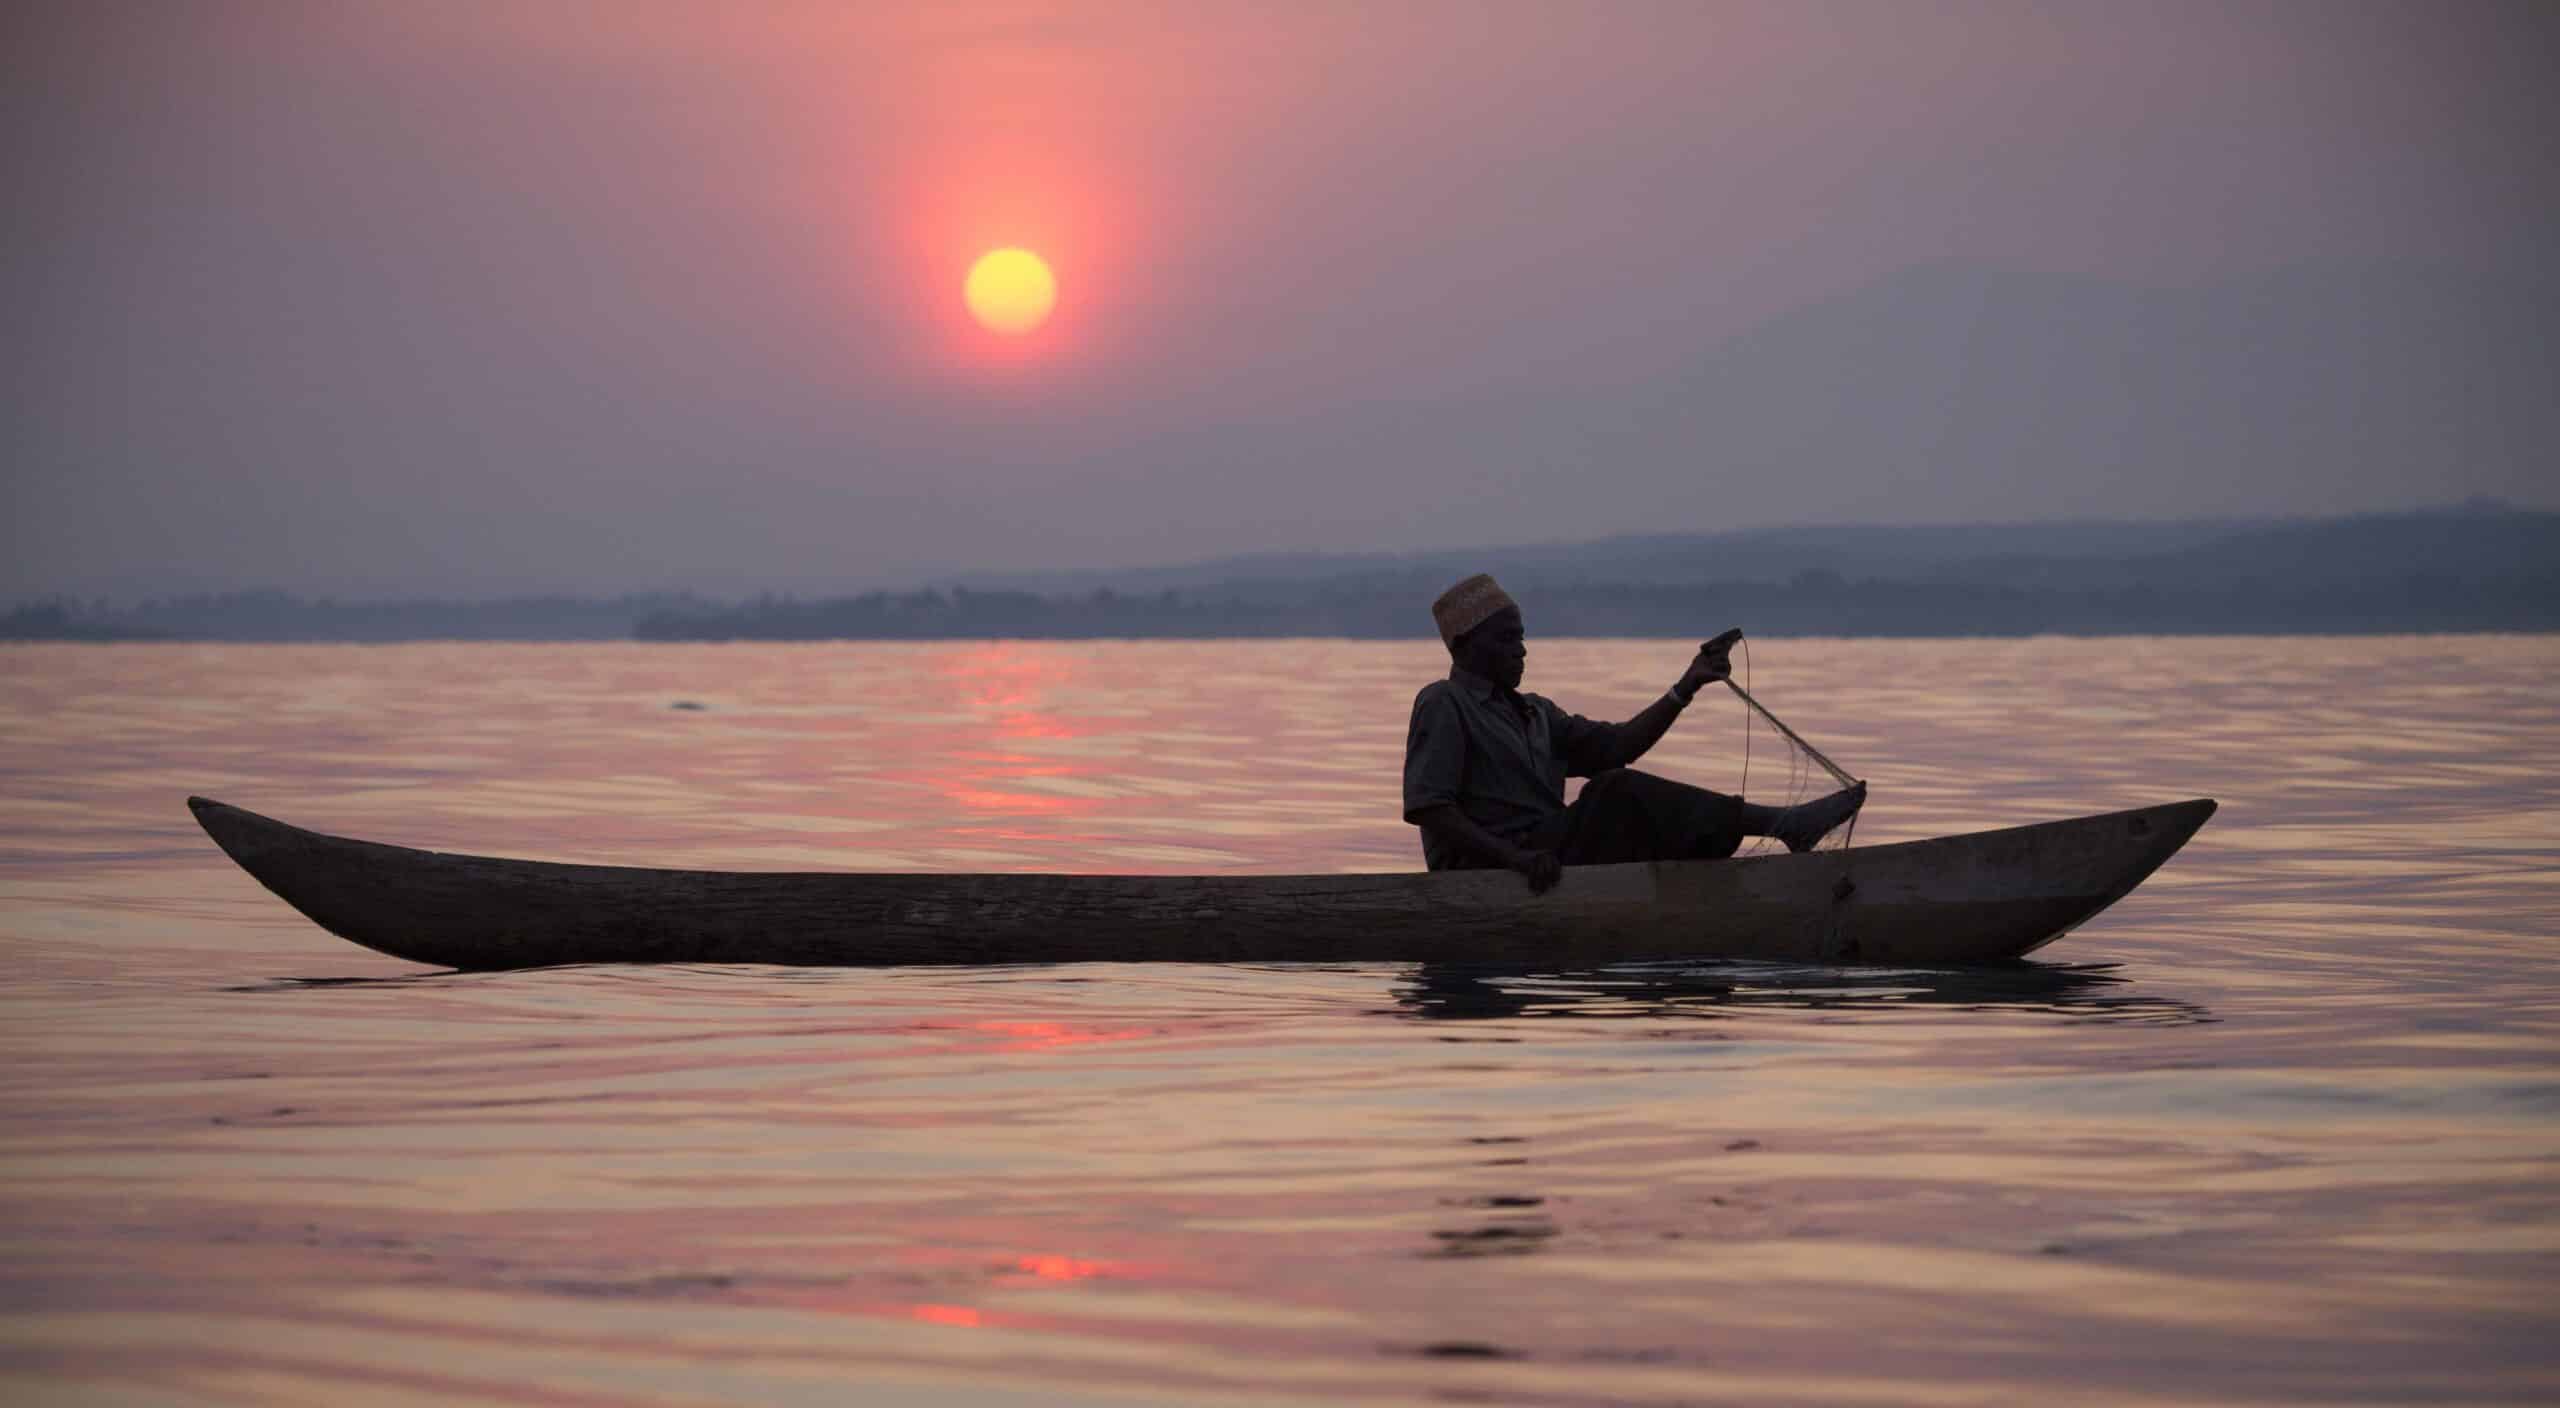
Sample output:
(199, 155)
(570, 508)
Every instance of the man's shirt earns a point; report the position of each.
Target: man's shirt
(1501, 757)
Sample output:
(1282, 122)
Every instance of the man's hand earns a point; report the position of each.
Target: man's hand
(1714, 662)
(1540, 868)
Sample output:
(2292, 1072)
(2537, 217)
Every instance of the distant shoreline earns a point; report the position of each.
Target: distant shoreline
(2468, 570)
(2408, 633)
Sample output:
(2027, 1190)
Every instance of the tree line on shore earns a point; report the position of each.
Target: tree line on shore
(1813, 603)
(2471, 568)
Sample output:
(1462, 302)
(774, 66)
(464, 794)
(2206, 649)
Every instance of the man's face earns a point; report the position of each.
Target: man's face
(1497, 649)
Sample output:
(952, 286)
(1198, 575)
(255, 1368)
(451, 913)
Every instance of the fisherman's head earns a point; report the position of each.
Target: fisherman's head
(1482, 627)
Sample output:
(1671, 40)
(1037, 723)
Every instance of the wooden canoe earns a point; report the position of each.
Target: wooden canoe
(1957, 899)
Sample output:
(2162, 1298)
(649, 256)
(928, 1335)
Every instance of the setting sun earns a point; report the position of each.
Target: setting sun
(1010, 290)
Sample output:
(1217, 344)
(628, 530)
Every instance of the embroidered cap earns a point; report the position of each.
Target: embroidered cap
(1465, 606)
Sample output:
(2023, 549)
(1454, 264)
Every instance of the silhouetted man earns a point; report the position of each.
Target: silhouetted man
(1484, 765)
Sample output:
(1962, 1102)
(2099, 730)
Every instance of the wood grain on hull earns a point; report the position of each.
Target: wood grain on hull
(1956, 899)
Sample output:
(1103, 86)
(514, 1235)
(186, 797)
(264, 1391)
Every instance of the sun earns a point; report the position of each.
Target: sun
(1010, 290)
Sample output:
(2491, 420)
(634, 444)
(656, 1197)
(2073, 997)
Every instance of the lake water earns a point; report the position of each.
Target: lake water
(2283, 1125)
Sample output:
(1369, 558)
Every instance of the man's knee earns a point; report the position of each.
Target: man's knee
(1610, 782)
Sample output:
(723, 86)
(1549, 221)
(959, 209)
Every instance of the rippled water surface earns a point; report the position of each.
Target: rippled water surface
(2280, 1126)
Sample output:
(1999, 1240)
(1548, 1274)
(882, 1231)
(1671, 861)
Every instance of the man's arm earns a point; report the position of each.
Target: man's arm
(1626, 742)
(1451, 827)
(1619, 745)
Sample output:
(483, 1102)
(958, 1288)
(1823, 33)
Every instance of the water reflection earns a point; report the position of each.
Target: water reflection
(2073, 992)
(389, 980)
(1104, 1182)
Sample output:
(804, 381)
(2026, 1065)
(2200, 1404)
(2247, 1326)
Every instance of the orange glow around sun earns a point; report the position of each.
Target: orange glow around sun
(1040, 243)
(1010, 290)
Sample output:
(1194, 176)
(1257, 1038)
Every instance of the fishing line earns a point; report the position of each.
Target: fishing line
(1745, 793)
(1802, 749)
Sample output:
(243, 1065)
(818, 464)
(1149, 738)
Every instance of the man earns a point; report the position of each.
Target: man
(1484, 765)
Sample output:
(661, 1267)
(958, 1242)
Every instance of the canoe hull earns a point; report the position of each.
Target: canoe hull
(1956, 899)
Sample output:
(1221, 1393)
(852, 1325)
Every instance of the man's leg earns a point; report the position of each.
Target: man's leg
(1626, 815)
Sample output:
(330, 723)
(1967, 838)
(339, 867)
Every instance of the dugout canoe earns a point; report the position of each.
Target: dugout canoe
(1956, 899)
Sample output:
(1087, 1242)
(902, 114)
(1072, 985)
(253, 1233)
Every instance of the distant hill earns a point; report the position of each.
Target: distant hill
(2469, 542)
(1767, 554)
(2476, 567)
(58, 620)
(276, 616)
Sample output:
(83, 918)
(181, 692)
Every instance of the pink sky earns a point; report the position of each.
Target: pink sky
(493, 297)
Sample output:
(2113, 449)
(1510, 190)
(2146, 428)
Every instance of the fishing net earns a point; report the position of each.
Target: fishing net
(1808, 775)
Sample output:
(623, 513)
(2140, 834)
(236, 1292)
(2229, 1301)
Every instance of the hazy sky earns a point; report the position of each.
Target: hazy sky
(485, 298)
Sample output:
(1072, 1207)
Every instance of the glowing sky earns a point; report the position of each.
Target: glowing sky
(483, 298)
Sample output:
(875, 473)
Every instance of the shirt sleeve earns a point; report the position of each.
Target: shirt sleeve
(1435, 752)
(1584, 746)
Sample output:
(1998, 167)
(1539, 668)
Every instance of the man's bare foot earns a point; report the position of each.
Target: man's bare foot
(1804, 825)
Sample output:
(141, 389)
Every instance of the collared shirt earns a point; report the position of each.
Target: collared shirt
(1501, 757)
